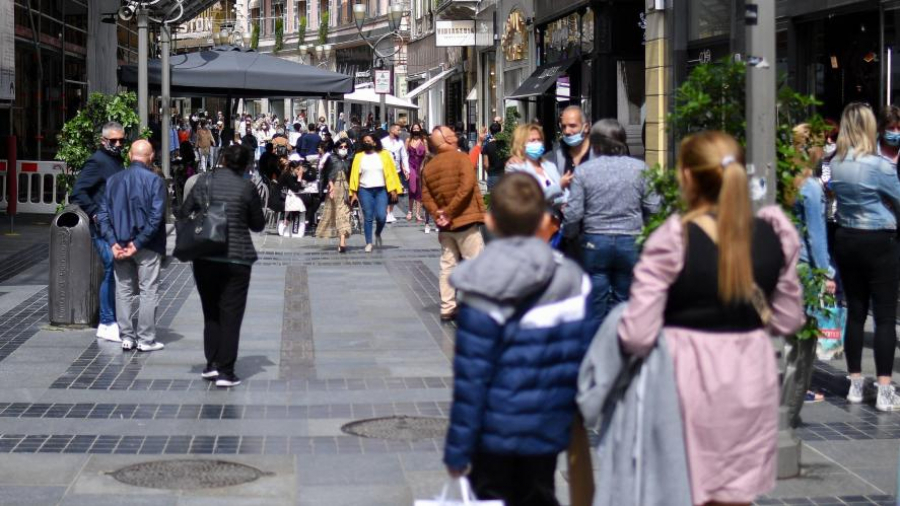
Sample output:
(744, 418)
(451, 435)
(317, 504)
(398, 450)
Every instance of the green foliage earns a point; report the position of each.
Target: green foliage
(323, 28)
(254, 37)
(279, 36)
(301, 32)
(504, 138)
(80, 136)
(713, 98)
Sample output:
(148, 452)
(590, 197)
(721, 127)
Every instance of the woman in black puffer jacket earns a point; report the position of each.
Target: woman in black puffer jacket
(223, 281)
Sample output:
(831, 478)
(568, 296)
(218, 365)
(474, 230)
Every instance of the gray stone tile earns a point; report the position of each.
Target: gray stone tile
(39, 470)
(12, 495)
(331, 470)
(116, 500)
(368, 495)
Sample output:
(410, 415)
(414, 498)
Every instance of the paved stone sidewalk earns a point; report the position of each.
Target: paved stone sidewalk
(328, 339)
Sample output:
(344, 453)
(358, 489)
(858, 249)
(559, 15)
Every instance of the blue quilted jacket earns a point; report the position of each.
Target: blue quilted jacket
(520, 340)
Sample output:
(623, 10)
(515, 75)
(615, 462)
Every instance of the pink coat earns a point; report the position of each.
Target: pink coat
(727, 382)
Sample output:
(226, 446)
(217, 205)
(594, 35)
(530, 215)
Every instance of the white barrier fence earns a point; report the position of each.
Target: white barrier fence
(37, 190)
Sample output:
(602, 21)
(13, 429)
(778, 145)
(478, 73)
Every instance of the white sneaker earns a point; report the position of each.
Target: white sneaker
(855, 395)
(109, 332)
(888, 400)
(128, 344)
(427, 228)
(391, 218)
(281, 227)
(150, 346)
(368, 248)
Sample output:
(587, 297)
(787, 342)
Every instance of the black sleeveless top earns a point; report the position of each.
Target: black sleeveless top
(694, 296)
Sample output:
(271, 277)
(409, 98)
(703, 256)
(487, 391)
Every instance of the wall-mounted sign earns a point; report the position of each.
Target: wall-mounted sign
(383, 81)
(515, 37)
(454, 33)
(484, 32)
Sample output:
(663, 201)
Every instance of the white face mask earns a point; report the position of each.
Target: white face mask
(829, 148)
(342, 153)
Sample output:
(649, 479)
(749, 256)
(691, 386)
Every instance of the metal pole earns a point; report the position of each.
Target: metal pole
(165, 36)
(383, 110)
(761, 165)
(143, 50)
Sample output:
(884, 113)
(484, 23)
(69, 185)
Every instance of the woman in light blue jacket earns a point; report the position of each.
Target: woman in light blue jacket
(528, 156)
(866, 248)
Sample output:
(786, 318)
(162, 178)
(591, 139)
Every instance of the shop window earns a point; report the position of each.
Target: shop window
(587, 32)
(562, 38)
(708, 18)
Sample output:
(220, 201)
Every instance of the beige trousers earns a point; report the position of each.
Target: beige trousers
(456, 246)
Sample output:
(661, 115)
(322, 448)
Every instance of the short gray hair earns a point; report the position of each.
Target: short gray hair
(580, 111)
(111, 127)
(608, 138)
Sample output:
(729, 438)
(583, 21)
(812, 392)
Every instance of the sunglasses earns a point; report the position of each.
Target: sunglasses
(120, 141)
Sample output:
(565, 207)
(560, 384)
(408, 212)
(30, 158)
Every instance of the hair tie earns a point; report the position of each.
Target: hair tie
(727, 160)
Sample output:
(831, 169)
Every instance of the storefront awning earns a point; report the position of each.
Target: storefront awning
(430, 83)
(472, 96)
(367, 95)
(542, 79)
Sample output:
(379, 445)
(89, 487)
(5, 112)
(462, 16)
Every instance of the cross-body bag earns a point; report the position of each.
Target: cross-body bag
(758, 299)
(204, 232)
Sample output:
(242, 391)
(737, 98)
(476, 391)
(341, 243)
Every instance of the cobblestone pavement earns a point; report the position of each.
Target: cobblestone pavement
(328, 340)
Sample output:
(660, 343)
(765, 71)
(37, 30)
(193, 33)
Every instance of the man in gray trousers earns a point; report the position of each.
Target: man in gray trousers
(132, 220)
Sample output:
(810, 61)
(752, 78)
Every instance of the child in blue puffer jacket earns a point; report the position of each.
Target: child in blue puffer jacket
(521, 336)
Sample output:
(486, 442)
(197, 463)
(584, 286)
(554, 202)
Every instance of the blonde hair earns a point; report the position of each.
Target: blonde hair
(520, 138)
(858, 131)
(808, 155)
(715, 163)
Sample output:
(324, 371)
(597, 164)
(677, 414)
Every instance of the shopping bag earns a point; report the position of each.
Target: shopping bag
(467, 497)
(832, 320)
(293, 203)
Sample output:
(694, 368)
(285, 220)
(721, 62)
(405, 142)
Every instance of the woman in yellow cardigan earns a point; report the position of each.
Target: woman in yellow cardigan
(372, 177)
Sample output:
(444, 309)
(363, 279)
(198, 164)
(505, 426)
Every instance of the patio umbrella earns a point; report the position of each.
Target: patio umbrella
(366, 95)
(229, 71)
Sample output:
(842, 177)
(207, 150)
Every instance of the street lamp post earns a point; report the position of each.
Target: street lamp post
(395, 17)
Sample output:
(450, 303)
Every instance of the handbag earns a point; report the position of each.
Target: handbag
(204, 232)
(467, 497)
(832, 320)
(293, 203)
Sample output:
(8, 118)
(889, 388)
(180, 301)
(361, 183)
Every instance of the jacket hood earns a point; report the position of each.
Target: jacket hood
(507, 270)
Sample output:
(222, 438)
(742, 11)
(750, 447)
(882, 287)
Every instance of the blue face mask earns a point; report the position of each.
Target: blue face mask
(574, 139)
(534, 150)
(892, 138)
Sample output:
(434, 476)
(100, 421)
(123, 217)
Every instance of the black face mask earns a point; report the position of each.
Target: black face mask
(369, 147)
(113, 149)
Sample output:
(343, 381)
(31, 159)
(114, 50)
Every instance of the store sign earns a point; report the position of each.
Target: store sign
(383, 81)
(455, 33)
(7, 52)
(484, 33)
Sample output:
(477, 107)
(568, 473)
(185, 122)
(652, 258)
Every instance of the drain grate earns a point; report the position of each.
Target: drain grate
(398, 428)
(187, 474)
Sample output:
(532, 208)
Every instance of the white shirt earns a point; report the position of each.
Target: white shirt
(398, 150)
(371, 172)
(293, 137)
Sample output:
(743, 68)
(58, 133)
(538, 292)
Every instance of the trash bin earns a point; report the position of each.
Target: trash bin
(76, 270)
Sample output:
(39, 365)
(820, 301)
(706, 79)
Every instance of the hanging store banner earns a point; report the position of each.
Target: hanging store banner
(383, 81)
(7, 52)
(455, 33)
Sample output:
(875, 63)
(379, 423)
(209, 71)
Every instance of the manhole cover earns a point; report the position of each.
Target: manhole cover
(187, 474)
(399, 428)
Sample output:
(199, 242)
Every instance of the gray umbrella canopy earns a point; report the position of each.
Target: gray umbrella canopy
(241, 73)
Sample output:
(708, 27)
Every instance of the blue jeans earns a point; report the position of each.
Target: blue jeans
(108, 285)
(492, 182)
(609, 261)
(374, 202)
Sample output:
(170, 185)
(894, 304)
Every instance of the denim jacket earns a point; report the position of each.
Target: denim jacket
(810, 210)
(867, 191)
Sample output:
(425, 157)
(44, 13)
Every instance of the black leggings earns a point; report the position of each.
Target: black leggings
(869, 263)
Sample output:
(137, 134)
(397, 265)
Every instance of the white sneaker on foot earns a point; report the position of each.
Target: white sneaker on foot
(109, 332)
(855, 395)
(150, 346)
(368, 248)
(427, 229)
(128, 344)
(391, 218)
(888, 400)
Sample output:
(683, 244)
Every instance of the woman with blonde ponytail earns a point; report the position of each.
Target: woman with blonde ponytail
(866, 248)
(718, 282)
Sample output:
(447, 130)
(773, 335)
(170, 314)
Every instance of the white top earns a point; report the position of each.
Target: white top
(398, 150)
(371, 171)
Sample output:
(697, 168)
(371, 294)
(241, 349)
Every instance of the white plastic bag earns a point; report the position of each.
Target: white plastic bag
(467, 497)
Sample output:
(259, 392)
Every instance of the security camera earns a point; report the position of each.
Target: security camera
(126, 12)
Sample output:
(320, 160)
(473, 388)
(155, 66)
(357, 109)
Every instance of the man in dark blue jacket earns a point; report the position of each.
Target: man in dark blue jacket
(309, 142)
(87, 193)
(132, 221)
